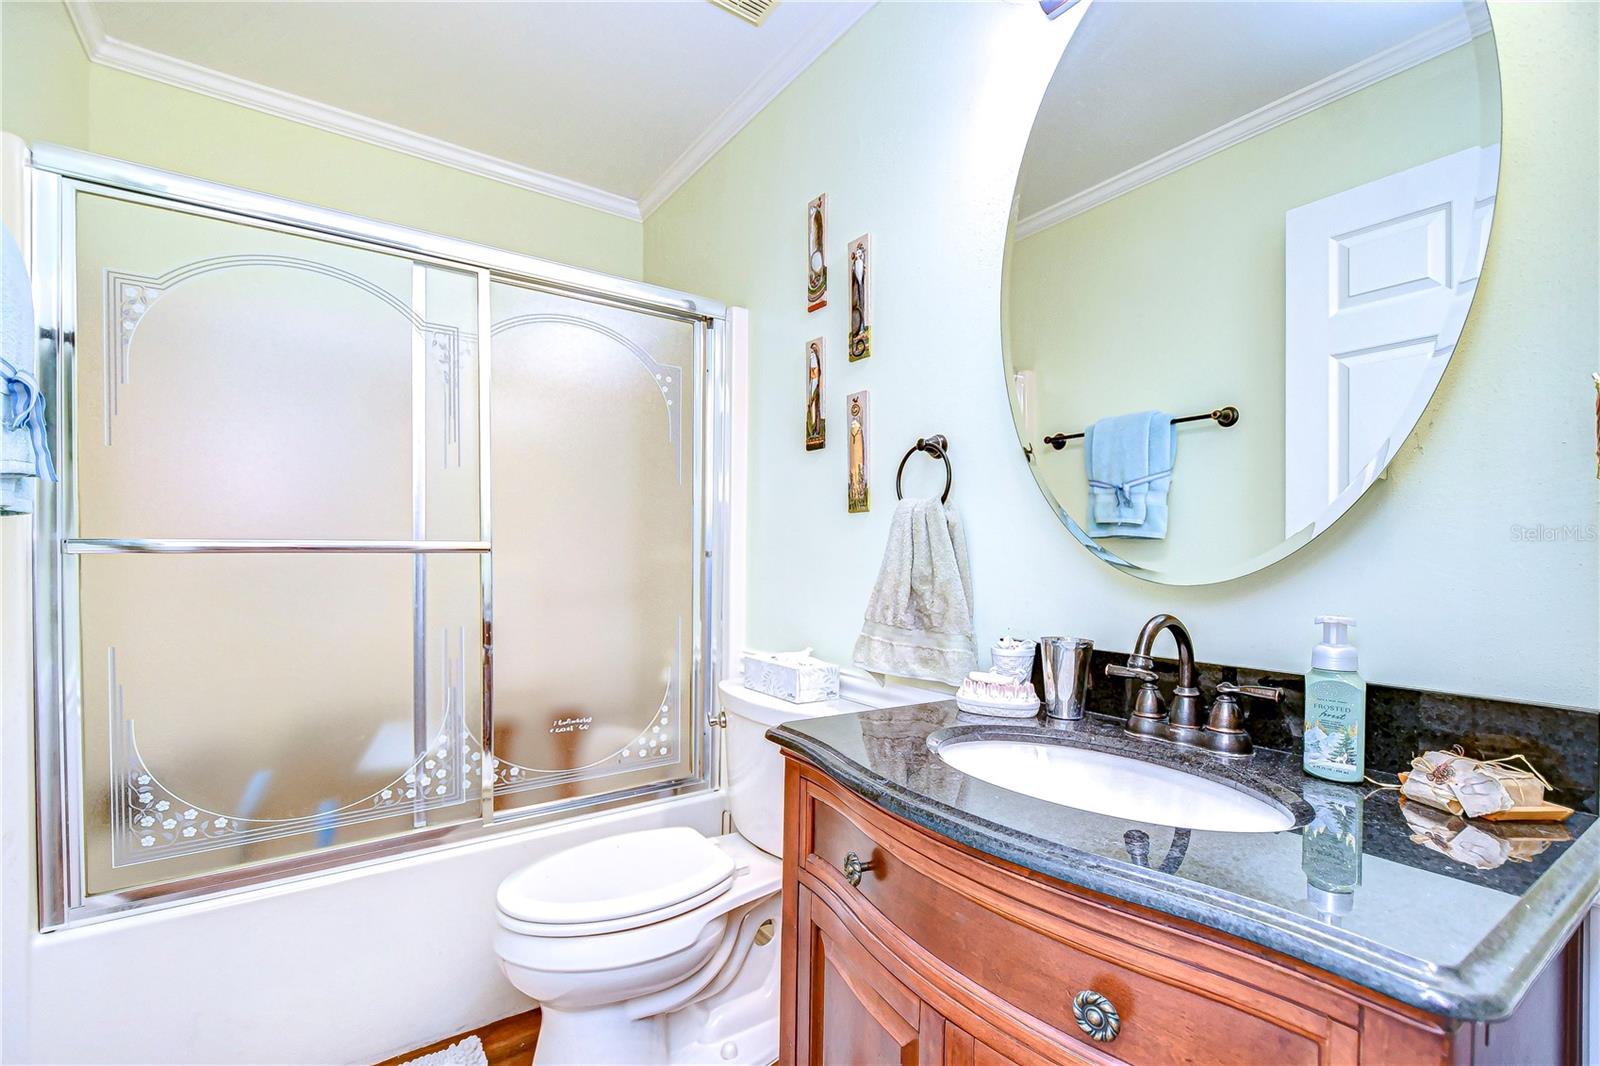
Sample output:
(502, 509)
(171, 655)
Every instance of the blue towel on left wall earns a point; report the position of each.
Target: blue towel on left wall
(1129, 464)
(24, 449)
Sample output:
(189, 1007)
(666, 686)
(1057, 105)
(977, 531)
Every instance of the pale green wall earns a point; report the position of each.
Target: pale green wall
(914, 124)
(1145, 302)
(52, 93)
(44, 77)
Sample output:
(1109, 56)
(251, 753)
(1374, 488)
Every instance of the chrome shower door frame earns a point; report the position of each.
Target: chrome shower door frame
(57, 176)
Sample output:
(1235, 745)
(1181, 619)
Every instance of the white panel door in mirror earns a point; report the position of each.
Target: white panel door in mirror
(1379, 279)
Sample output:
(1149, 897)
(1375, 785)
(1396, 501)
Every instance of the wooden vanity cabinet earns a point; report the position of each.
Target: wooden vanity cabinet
(935, 955)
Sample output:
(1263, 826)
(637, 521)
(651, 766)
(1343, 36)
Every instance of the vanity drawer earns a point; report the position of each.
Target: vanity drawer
(1015, 950)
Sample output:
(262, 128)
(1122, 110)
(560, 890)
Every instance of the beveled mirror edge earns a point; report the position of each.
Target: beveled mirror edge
(1416, 406)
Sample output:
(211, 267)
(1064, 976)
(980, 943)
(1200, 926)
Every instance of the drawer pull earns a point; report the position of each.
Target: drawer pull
(854, 868)
(1096, 1016)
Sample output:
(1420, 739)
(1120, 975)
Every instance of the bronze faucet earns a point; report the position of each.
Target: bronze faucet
(1149, 717)
(1223, 731)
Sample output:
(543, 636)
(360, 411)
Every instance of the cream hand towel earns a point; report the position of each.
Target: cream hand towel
(919, 619)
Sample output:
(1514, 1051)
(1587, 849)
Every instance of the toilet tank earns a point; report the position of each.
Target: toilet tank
(755, 766)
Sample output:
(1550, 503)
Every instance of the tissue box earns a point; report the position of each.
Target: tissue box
(792, 676)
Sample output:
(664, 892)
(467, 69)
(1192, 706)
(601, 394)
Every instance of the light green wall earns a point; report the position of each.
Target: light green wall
(1145, 302)
(50, 92)
(914, 124)
(44, 77)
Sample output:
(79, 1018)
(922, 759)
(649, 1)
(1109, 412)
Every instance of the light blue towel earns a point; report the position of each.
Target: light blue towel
(24, 452)
(1129, 463)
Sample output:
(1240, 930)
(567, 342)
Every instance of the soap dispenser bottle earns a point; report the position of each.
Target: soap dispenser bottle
(1336, 707)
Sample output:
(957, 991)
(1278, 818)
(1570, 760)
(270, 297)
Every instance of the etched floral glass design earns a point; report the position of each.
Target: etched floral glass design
(256, 706)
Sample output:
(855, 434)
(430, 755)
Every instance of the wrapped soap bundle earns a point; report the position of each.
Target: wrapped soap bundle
(1477, 788)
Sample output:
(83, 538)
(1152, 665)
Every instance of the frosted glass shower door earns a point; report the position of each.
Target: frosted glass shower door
(592, 430)
(272, 581)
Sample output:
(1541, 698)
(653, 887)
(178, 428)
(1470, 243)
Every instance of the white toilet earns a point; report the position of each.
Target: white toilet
(662, 946)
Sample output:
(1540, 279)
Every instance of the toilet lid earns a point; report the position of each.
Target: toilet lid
(631, 875)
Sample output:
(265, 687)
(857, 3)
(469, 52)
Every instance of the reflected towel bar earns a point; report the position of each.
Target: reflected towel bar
(1224, 417)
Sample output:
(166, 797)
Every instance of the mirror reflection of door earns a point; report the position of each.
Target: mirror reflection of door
(1287, 218)
(1378, 280)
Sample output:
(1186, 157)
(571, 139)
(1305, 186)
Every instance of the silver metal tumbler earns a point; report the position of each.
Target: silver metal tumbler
(1064, 662)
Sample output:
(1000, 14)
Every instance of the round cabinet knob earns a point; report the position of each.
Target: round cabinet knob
(854, 868)
(1096, 1016)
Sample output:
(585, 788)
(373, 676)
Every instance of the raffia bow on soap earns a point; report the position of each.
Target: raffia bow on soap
(1472, 787)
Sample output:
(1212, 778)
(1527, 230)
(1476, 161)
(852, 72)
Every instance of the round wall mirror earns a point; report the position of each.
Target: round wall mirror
(1243, 245)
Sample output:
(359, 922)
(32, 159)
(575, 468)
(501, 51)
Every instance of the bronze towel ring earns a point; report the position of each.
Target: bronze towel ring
(936, 446)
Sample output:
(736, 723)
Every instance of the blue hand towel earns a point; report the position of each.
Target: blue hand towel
(1129, 460)
(24, 452)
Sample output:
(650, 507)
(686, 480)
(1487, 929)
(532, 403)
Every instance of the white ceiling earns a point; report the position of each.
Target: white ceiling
(1140, 79)
(625, 98)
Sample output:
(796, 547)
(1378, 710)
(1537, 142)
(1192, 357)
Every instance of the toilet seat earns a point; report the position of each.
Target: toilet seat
(615, 884)
(649, 938)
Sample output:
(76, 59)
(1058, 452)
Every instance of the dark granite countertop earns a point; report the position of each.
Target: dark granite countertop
(1353, 888)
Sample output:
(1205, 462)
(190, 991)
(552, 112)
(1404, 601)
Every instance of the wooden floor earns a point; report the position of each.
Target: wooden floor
(507, 1042)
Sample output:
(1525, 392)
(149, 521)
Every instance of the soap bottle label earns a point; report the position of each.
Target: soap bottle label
(1333, 738)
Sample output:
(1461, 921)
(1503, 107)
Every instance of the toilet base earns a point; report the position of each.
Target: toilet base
(736, 1026)
(567, 1038)
(649, 1042)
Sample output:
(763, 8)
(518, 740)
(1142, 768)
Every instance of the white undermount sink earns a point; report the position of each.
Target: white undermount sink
(1109, 784)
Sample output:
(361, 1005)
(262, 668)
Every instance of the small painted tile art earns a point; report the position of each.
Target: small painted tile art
(816, 254)
(816, 425)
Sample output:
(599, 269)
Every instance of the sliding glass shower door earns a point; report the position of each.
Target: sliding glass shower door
(273, 448)
(593, 416)
(356, 547)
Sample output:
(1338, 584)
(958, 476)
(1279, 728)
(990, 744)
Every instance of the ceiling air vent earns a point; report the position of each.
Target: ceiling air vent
(754, 12)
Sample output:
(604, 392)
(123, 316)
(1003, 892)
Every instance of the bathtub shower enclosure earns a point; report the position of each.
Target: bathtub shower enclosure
(366, 539)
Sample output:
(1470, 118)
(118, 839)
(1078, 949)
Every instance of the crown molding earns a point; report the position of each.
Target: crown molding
(109, 51)
(86, 24)
(789, 66)
(1385, 64)
(117, 54)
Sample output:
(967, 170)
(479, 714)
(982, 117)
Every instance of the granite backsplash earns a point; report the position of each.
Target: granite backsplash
(1401, 723)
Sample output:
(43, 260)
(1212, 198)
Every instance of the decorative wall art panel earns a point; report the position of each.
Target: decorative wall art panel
(816, 425)
(858, 411)
(860, 298)
(816, 255)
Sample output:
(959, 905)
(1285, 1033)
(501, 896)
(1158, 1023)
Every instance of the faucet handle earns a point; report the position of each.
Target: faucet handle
(1149, 715)
(1260, 692)
(1224, 732)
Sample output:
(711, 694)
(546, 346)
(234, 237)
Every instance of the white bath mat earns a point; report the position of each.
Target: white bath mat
(468, 1052)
